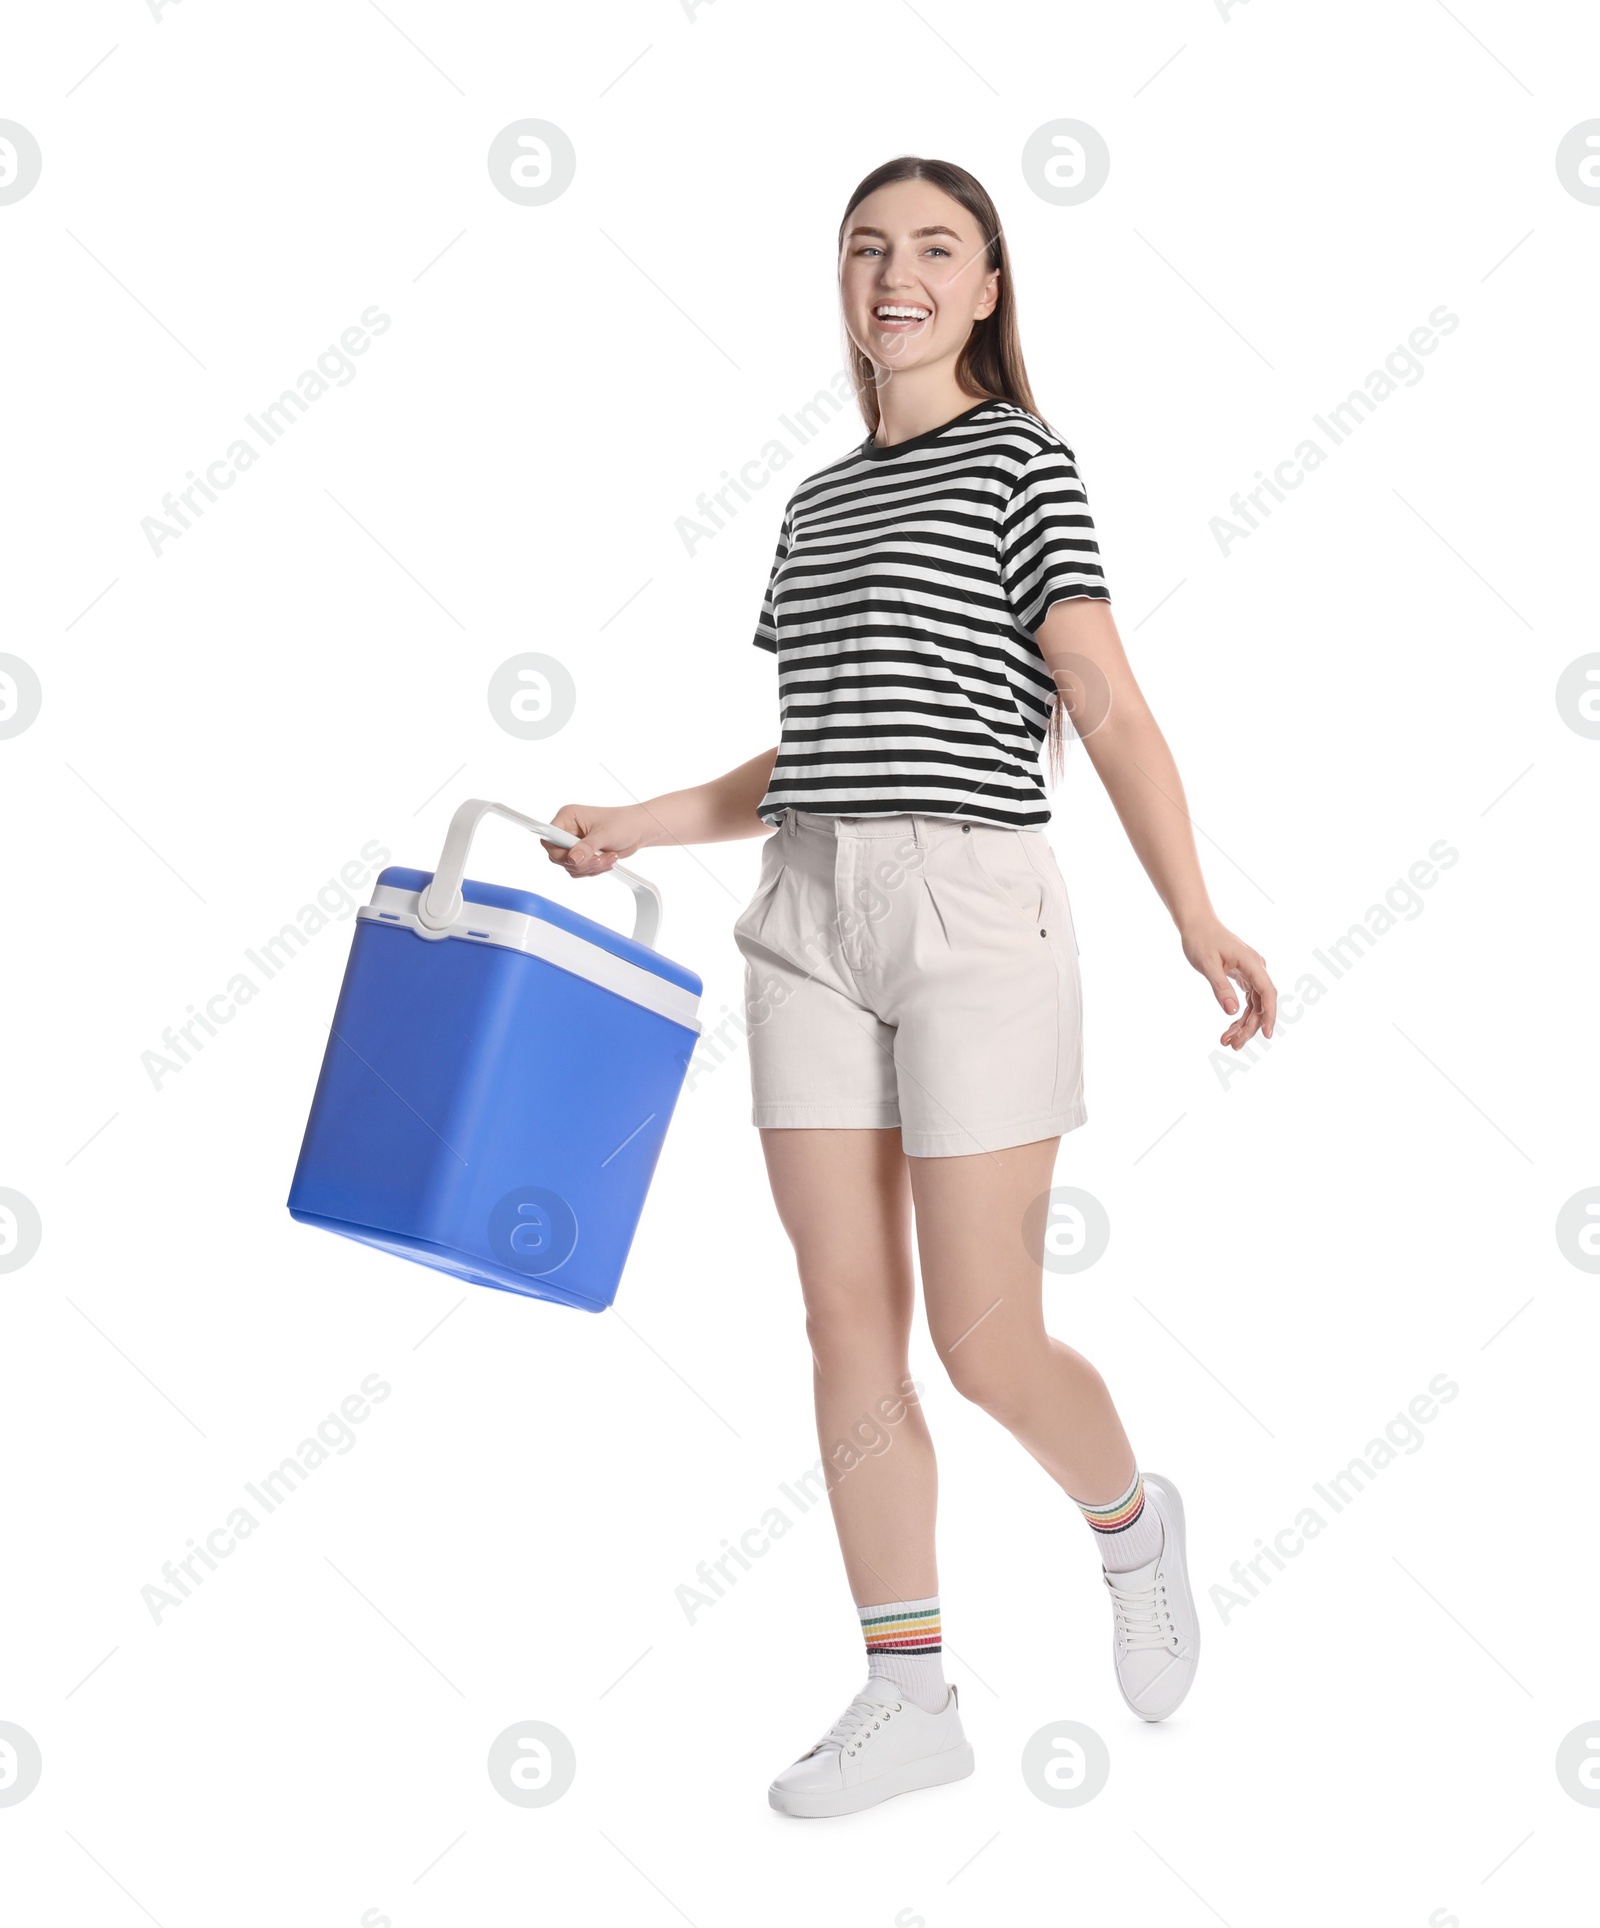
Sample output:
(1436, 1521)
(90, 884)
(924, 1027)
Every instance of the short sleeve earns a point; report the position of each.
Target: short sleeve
(766, 636)
(1048, 552)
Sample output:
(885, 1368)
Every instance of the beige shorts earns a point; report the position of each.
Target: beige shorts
(913, 971)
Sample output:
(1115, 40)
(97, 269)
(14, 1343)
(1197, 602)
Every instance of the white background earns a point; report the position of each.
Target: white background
(224, 725)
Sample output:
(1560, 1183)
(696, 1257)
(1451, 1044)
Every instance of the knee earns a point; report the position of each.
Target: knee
(991, 1376)
(848, 1328)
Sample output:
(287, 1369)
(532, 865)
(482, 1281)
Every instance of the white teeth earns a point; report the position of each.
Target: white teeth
(889, 311)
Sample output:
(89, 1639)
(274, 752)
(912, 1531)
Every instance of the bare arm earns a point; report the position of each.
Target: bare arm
(711, 812)
(1081, 648)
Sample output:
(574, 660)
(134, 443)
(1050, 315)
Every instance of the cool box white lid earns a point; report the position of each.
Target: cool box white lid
(398, 903)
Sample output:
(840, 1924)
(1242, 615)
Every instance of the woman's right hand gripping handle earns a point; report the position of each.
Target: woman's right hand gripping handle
(714, 812)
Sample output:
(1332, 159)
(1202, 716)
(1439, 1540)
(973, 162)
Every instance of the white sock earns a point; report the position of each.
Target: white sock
(1126, 1530)
(903, 1643)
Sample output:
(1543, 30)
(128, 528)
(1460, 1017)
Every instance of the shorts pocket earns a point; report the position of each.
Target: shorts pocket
(772, 869)
(1043, 860)
(1003, 868)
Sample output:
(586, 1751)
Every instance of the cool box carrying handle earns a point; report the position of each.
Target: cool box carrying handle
(440, 904)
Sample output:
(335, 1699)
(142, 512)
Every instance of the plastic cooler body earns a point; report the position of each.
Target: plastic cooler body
(489, 1113)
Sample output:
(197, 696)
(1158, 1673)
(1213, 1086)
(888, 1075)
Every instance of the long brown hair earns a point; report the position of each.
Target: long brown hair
(991, 363)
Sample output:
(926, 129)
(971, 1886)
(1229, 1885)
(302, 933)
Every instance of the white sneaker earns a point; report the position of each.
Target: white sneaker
(1155, 1635)
(881, 1745)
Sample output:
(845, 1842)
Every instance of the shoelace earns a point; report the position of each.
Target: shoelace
(856, 1722)
(1142, 1616)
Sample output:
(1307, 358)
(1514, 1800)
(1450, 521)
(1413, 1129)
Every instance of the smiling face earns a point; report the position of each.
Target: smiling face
(914, 276)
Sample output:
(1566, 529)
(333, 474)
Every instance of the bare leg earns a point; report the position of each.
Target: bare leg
(984, 1294)
(844, 1198)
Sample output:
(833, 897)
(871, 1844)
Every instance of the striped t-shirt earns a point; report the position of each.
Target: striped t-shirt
(902, 604)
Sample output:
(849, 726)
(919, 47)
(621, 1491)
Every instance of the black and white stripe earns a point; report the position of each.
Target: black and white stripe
(902, 603)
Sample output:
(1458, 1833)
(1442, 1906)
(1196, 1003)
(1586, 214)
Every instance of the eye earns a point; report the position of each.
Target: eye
(869, 249)
(938, 249)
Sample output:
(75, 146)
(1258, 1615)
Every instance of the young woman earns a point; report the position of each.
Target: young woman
(911, 969)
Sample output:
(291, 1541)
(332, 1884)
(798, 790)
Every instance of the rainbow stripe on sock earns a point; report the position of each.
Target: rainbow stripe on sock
(1120, 1514)
(890, 1631)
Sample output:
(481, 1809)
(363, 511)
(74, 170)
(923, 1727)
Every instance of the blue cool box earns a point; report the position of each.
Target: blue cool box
(498, 1080)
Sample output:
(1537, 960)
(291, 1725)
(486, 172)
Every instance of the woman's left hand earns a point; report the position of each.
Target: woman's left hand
(1224, 960)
